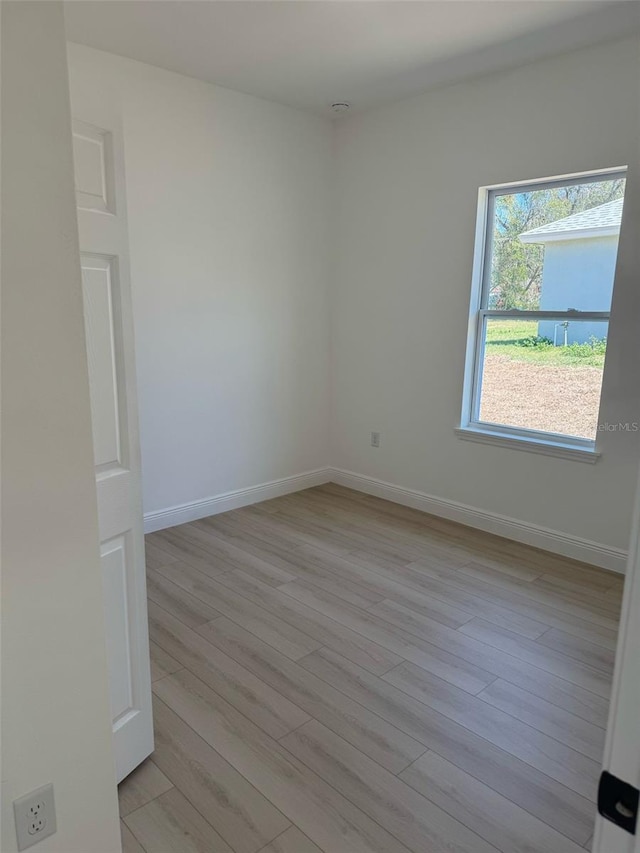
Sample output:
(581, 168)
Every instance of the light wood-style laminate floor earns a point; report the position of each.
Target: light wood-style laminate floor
(333, 672)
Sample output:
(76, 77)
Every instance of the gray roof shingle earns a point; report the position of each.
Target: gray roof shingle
(603, 219)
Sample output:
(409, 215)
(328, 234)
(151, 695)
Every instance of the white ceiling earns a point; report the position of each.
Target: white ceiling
(310, 53)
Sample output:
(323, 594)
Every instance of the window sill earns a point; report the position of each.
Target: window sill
(547, 448)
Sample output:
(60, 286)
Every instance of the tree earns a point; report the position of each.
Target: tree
(516, 268)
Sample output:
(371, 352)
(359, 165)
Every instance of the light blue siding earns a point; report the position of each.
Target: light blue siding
(577, 274)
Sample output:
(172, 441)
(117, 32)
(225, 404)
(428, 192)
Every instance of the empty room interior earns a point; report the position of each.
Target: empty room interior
(321, 426)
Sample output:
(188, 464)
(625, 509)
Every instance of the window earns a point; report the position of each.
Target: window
(543, 281)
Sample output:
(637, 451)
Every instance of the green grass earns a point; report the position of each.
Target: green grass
(505, 337)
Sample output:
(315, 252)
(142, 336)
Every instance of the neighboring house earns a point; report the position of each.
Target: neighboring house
(579, 265)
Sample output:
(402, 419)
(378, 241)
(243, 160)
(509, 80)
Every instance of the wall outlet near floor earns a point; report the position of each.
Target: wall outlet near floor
(35, 816)
(375, 439)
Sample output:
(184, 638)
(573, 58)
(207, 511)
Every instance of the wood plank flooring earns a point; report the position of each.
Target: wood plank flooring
(333, 673)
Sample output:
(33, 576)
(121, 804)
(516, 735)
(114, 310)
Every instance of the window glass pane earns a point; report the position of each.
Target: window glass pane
(555, 249)
(543, 374)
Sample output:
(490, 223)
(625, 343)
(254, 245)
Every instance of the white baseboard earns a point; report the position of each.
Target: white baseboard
(182, 513)
(605, 556)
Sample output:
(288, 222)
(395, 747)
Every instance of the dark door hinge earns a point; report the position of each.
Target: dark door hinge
(618, 802)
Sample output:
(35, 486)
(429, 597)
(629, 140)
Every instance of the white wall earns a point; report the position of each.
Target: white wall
(228, 218)
(406, 183)
(55, 707)
(247, 218)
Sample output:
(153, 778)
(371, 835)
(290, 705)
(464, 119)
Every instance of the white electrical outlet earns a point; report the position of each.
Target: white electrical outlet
(35, 816)
(375, 439)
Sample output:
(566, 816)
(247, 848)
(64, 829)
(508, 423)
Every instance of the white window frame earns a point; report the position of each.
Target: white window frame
(471, 427)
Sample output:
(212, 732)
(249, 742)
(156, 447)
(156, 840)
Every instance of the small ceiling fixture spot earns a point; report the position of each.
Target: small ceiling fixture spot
(340, 107)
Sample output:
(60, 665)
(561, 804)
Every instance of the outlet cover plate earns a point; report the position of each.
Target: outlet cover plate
(31, 809)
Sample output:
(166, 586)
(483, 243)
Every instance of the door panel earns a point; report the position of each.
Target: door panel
(114, 573)
(100, 193)
(93, 162)
(105, 374)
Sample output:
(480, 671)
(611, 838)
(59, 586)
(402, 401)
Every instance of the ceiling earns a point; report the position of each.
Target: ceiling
(311, 53)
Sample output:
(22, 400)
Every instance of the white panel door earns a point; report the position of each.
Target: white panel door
(100, 193)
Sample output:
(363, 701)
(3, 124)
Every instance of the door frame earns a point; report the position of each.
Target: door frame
(622, 746)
